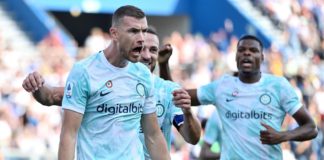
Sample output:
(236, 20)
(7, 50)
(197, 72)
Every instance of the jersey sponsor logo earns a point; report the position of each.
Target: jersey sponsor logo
(248, 115)
(120, 108)
(265, 99)
(159, 109)
(140, 89)
(102, 93)
(69, 90)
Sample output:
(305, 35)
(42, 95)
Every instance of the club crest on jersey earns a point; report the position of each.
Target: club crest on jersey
(265, 99)
(235, 92)
(159, 109)
(140, 88)
(69, 88)
(109, 84)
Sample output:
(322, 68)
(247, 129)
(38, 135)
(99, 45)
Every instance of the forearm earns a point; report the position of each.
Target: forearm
(194, 97)
(165, 72)
(49, 95)
(302, 133)
(157, 146)
(66, 147)
(191, 129)
(154, 139)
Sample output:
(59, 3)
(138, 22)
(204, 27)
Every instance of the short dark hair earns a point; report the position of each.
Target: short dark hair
(152, 30)
(127, 10)
(252, 38)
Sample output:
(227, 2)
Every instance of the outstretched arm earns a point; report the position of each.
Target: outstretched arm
(307, 130)
(46, 95)
(154, 139)
(190, 129)
(164, 56)
(194, 97)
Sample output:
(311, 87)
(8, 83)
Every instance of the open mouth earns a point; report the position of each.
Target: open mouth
(246, 63)
(137, 49)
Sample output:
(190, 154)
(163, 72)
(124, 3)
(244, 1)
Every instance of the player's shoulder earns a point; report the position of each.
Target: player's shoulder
(226, 78)
(160, 82)
(86, 62)
(270, 78)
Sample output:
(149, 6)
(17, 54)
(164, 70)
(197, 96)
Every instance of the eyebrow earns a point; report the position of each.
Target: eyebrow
(137, 30)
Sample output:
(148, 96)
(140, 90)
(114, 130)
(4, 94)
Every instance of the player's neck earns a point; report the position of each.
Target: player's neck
(114, 57)
(249, 77)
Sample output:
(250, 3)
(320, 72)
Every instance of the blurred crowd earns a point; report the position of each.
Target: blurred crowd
(28, 129)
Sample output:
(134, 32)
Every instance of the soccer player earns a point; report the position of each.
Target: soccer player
(168, 114)
(108, 95)
(252, 107)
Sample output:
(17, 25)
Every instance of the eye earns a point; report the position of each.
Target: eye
(133, 30)
(145, 30)
(254, 50)
(153, 50)
(240, 49)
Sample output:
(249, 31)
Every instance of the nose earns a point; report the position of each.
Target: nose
(141, 38)
(246, 53)
(145, 55)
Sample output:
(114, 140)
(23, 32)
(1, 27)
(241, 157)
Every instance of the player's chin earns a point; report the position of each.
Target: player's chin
(134, 59)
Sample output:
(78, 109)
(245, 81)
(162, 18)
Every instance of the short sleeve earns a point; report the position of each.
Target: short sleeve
(289, 99)
(149, 104)
(76, 90)
(206, 93)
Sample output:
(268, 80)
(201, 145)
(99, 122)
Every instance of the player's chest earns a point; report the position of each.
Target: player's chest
(248, 99)
(120, 89)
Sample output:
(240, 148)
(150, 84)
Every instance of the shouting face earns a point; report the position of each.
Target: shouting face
(129, 35)
(249, 57)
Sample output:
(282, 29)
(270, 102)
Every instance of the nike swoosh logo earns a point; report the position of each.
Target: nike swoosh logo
(228, 100)
(103, 94)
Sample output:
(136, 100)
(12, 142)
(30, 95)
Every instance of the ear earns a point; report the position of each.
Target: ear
(113, 33)
(262, 57)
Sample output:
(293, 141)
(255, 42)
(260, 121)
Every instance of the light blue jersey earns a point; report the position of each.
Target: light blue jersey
(242, 107)
(213, 129)
(166, 111)
(112, 101)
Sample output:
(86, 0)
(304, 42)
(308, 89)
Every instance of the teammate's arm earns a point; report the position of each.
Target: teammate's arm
(70, 125)
(49, 96)
(194, 97)
(206, 153)
(190, 129)
(154, 139)
(163, 59)
(46, 95)
(307, 130)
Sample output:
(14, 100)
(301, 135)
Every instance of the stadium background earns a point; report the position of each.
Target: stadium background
(49, 36)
